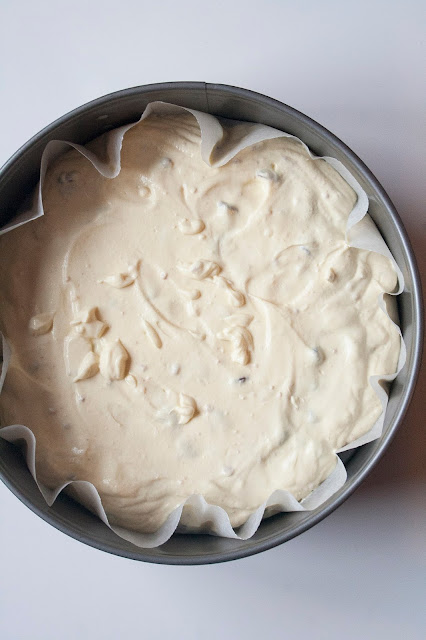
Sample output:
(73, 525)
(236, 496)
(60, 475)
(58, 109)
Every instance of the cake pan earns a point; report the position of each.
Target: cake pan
(18, 178)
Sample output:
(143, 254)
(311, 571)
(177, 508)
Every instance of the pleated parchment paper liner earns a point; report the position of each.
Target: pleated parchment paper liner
(220, 141)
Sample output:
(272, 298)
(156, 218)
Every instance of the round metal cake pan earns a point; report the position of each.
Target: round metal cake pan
(18, 178)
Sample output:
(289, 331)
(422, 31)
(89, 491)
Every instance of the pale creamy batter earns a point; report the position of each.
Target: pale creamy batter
(182, 329)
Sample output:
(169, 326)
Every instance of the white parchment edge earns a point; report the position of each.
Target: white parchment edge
(361, 233)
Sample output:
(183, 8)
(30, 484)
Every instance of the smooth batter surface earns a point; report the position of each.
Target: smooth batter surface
(186, 330)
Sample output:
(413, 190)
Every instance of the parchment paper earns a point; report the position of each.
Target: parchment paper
(221, 140)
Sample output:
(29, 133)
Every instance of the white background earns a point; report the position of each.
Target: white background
(357, 68)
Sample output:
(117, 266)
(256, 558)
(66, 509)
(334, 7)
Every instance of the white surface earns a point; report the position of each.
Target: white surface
(357, 69)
